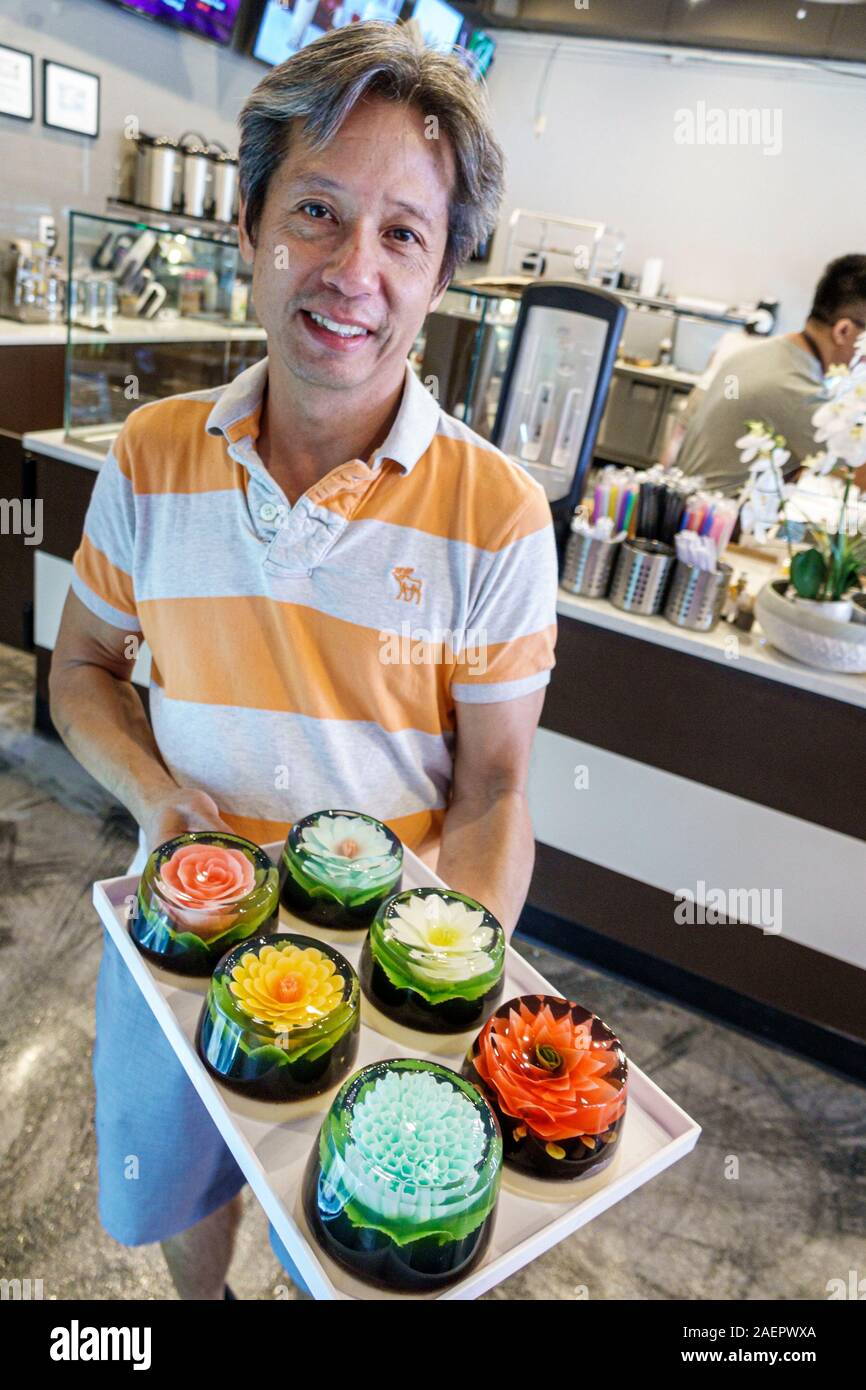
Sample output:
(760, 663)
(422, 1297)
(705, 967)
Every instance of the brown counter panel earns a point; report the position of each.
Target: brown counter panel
(16, 557)
(65, 489)
(31, 387)
(775, 972)
(761, 739)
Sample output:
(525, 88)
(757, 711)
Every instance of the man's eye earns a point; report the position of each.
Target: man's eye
(316, 210)
(405, 234)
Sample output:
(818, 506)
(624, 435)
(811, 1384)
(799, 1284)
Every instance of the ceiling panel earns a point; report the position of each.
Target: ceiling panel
(763, 25)
(848, 36)
(622, 19)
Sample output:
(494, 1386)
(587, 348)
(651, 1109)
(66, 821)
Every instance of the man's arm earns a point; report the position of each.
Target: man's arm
(100, 717)
(488, 848)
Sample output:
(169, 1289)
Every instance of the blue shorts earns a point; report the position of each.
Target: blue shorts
(163, 1164)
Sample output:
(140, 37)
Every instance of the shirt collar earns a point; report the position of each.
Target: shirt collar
(236, 415)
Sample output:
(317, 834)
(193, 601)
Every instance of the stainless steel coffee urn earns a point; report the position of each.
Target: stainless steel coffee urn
(225, 186)
(155, 168)
(196, 176)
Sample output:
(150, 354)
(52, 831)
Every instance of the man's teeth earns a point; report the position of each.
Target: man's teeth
(345, 330)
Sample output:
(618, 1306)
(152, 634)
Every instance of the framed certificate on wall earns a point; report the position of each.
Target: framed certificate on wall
(16, 83)
(70, 99)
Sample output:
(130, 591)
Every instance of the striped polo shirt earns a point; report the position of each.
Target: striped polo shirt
(311, 656)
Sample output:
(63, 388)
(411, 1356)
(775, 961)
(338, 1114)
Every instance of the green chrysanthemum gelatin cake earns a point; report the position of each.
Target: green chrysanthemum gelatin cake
(200, 894)
(433, 963)
(337, 867)
(281, 1021)
(401, 1187)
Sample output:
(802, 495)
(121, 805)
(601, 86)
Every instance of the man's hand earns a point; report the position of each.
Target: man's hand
(180, 810)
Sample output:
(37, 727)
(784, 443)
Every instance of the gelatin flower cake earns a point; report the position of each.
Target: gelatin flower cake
(401, 1187)
(200, 893)
(433, 962)
(557, 1078)
(337, 867)
(281, 1021)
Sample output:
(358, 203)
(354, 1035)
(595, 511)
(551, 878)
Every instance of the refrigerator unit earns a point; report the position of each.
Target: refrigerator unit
(555, 387)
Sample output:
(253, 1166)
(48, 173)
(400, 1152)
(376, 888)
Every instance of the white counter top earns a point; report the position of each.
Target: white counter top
(55, 445)
(753, 652)
(15, 334)
(126, 330)
(673, 375)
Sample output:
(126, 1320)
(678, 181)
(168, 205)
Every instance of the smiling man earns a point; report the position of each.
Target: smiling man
(268, 540)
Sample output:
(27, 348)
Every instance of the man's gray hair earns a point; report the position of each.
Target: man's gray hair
(321, 84)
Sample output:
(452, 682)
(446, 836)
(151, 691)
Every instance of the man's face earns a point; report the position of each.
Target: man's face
(352, 237)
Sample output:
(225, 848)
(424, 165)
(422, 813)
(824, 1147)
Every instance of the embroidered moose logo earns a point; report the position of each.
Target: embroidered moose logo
(408, 584)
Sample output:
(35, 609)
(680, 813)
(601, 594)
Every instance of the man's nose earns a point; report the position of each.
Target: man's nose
(353, 266)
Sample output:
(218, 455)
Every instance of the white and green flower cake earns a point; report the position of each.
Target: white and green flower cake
(402, 1185)
(434, 961)
(338, 866)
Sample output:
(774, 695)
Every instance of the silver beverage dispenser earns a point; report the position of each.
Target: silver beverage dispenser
(555, 387)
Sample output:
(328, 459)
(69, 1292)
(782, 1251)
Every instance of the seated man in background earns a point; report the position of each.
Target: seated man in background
(778, 380)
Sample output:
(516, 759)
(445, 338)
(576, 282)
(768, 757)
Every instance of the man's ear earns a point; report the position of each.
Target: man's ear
(843, 330)
(245, 246)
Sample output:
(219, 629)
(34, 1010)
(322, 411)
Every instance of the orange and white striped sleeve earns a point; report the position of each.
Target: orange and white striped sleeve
(507, 649)
(103, 564)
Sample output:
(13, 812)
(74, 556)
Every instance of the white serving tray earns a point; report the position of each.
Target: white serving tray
(272, 1152)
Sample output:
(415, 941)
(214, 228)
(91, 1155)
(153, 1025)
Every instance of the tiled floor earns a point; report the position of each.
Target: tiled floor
(793, 1218)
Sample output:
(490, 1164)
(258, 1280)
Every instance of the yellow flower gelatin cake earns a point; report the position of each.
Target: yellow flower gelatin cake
(281, 1021)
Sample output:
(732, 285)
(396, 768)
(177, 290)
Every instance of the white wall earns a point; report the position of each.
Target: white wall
(730, 222)
(170, 82)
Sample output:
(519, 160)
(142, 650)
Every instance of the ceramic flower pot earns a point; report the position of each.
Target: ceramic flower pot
(200, 894)
(432, 963)
(337, 867)
(401, 1187)
(281, 1021)
(807, 635)
(838, 610)
(557, 1080)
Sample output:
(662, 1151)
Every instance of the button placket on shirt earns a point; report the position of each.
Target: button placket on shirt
(311, 534)
(305, 537)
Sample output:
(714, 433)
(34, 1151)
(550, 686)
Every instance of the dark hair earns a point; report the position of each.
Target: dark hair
(842, 287)
(320, 85)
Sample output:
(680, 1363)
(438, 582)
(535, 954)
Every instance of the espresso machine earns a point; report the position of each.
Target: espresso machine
(555, 387)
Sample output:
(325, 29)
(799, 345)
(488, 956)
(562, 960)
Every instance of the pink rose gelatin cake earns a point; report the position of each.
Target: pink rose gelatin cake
(557, 1079)
(200, 894)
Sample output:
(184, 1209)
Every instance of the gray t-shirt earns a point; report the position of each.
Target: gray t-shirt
(776, 381)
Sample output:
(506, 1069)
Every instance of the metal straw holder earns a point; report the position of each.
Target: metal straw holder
(588, 565)
(696, 597)
(641, 576)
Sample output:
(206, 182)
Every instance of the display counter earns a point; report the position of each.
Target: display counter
(709, 763)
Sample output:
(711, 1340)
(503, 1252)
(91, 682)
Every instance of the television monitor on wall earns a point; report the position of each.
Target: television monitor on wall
(476, 48)
(209, 19)
(286, 27)
(439, 23)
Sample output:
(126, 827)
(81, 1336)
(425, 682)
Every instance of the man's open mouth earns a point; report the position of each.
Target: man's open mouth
(335, 331)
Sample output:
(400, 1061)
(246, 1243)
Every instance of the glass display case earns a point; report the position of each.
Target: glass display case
(462, 351)
(151, 312)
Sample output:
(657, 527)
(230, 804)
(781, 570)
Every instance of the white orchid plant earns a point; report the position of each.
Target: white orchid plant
(834, 564)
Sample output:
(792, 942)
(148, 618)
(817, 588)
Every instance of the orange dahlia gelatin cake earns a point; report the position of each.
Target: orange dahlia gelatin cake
(557, 1079)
